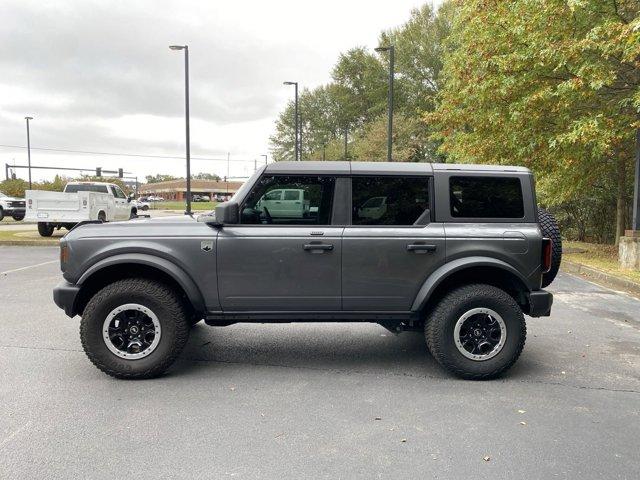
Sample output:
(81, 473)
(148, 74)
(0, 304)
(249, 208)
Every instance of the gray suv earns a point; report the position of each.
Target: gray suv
(460, 252)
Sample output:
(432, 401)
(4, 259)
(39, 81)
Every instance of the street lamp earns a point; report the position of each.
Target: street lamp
(295, 84)
(186, 110)
(265, 159)
(391, 50)
(29, 149)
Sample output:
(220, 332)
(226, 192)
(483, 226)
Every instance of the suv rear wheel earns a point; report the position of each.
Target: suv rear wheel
(134, 328)
(476, 331)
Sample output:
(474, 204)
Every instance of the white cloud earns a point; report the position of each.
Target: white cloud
(99, 76)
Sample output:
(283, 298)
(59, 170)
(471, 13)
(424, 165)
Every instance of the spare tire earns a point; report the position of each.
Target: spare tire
(550, 230)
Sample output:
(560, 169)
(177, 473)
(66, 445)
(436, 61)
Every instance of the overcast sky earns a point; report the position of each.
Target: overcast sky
(98, 76)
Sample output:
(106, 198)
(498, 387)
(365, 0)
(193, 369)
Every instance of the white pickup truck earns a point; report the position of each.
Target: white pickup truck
(79, 202)
(285, 203)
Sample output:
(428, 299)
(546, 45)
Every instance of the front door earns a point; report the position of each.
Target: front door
(122, 208)
(392, 246)
(277, 260)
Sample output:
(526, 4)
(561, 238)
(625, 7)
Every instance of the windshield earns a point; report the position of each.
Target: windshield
(242, 191)
(2, 195)
(75, 188)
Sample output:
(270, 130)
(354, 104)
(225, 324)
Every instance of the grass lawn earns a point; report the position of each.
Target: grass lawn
(169, 205)
(30, 236)
(602, 257)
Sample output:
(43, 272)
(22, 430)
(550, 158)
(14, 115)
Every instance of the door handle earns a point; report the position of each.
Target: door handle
(419, 247)
(318, 246)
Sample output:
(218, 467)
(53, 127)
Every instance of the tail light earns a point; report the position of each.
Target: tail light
(547, 249)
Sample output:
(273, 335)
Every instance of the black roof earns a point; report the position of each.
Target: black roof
(381, 168)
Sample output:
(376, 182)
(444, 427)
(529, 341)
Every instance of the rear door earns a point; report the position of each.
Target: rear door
(274, 262)
(392, 244)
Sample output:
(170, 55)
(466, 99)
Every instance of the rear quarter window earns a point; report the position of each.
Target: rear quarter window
(486, 197)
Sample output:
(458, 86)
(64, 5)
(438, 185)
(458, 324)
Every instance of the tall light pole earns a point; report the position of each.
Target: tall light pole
(295, 84)
(265, 159)
(186, 112)
(29, 148)
(635, 224)
(391, 50)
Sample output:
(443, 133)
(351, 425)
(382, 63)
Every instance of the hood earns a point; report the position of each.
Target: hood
(177, 225)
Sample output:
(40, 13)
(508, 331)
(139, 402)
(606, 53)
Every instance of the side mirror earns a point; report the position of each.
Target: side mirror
(227, 213)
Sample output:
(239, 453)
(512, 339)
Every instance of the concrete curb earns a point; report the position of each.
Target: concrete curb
(600, 277)
(30, 243)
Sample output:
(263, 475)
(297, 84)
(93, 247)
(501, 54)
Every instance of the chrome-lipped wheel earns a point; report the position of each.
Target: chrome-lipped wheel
(131, 331)
(480, 334)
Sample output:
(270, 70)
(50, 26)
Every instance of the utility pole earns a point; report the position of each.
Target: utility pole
(296, 118)
(635, 224)
(186, 109)
(265, 159)
(29, 149)
(346, 130)
(391, 50)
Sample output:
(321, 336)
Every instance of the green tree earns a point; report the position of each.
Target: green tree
(205, 176)
(159, 177)
(550, 84)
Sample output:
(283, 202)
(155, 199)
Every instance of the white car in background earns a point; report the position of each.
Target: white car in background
(140, 205)
(285, 203)
(374, 208)
(12, 206)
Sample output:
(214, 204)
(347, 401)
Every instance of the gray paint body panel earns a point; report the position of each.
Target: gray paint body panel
(258, 272)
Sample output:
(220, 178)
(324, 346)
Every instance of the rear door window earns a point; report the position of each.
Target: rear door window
(486, 197)
(85, 188)
(387, 200)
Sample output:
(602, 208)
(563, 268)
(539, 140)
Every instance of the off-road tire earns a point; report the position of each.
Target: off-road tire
(18, 217)
(157, 297)
(440, 324)
(102, 217)
(550, 229)
(45, 229)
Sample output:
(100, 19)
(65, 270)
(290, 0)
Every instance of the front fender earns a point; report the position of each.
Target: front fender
(171, 269)
(441, 274)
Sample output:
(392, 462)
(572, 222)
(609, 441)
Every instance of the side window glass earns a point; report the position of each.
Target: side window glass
(486, 197)
(289, 200)
(402, 201)
(117, 192)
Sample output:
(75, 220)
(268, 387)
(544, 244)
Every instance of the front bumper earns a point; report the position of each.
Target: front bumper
(540, 302)
(13, 210)
(65, 295)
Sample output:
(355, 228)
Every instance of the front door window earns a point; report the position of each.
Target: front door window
(290, 200)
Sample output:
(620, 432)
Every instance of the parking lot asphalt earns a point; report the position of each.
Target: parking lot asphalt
(318, 400)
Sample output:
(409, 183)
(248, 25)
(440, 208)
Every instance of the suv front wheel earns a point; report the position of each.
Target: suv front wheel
(134, 328)
(476, 331)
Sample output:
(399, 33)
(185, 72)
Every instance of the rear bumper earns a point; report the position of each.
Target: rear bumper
(540, 302)
(65, 295)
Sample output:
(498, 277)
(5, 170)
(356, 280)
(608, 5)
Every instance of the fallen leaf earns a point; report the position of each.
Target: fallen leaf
(522, 411)
(523, 423)
(487, 458)
(563, 372)
(378, 418)
(404, 440)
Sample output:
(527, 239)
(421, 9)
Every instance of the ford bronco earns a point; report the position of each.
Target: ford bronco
(461, 252)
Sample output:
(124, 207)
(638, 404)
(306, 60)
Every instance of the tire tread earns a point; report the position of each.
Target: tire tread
(149, 287)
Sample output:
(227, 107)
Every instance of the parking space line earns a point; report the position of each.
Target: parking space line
(29, 266)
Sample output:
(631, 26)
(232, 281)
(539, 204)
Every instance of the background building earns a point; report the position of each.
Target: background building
(176, 189)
